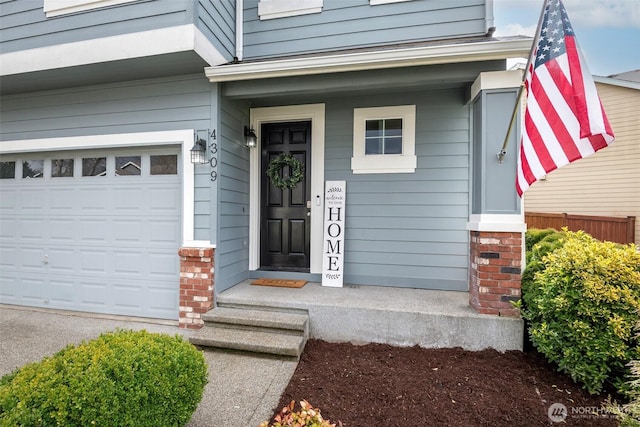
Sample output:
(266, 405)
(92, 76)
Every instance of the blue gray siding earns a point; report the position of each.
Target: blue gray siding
(492, 111)
(217, 21)
(25, 26)
(407, 229)
(348, 24)
(232, 253)
(181, 102)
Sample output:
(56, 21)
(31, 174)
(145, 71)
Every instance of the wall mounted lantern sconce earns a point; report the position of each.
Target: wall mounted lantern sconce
(198, 152)
(250, 137)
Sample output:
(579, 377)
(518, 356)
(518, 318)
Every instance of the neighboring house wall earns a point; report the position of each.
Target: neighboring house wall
(606, 183)
(348, 24)
(181, 102)
(232, 255)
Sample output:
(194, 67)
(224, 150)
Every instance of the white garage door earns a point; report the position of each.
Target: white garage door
(94, 231)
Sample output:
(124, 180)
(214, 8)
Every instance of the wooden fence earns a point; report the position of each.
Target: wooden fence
(613, 229)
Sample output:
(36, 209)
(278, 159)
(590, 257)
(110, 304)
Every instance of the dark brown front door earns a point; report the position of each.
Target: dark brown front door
(285, 225)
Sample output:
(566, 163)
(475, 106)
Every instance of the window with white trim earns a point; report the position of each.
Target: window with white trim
(384, 139)
(63, 7)
(271, 9)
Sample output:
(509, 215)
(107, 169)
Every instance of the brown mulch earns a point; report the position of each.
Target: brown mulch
(380, 385)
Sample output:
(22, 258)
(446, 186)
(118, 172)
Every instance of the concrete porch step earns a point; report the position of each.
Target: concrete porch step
(259, 319)
(254, 330)
(252, 341)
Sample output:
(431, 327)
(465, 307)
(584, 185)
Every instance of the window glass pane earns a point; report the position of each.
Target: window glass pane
(374, 128)
(7, 170)
(32, 168)
(94, 166)
(393, 127)
(164, 165)
(383, 136)
(129, 165)
(62, 167)
(393, 146)
(373, 146)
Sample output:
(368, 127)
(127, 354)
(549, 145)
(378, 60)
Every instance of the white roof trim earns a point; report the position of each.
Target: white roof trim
(113, 48)
(616, 82)
(427, 55)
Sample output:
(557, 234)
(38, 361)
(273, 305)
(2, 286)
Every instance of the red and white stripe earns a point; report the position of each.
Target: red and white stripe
(564, 120)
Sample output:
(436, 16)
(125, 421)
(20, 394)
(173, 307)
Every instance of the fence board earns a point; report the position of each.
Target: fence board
(613, 229)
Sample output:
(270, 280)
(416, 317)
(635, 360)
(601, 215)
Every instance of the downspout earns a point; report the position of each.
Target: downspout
(239, 30)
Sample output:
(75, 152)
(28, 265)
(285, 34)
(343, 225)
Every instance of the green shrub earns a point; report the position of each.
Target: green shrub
(122, 378)
(582, 306)
(539, 243)
(629, 414)
(535, 235)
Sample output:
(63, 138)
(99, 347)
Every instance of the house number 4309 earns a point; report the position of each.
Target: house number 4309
(213, 160)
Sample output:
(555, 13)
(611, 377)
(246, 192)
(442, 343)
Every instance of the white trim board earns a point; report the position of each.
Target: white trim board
(184, 138)
(508, 223)
(393, 58)
(315, 113)
(113, 48)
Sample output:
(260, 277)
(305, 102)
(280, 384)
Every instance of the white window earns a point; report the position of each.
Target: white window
(270, 9)
(63, 7)
(384, 139)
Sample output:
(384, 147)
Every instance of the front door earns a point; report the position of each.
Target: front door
(285, 224)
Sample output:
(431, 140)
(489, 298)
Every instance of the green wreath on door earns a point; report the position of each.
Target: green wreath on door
(275, 167)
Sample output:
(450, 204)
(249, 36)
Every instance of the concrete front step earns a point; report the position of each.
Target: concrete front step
(252, 318)
(254, 330)
(251, 341)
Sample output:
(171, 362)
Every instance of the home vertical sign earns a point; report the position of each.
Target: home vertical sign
(333, 243)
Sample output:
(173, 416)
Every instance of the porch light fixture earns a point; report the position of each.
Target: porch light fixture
(251, 140)
(198, 151)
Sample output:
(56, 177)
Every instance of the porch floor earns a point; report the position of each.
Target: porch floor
(396, 316)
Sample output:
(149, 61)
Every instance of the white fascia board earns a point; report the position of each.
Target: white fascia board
(181, 38)
(427, 55)
(496, 80)
(513, 223)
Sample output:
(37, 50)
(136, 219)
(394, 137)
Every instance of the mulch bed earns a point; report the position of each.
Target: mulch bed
(381, 385)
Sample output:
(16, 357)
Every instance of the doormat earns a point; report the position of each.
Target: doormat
(282, 283)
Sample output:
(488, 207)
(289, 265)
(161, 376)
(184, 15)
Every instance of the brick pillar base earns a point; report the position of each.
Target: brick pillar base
(196, 286)
(494, 274)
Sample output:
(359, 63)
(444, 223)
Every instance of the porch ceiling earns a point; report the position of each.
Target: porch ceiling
(380, 81)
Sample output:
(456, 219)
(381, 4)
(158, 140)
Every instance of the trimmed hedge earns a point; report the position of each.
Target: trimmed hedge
(581, 306)
(122, 378)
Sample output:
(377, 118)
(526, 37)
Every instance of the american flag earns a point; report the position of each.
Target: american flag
(564, 120)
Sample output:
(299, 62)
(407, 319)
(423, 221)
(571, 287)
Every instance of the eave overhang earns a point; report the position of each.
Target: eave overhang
(372, 60)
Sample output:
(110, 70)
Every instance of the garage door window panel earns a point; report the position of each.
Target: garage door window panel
(164, 164)
(94, 166)
(128, 166)
(32, 168)
(61, 168)
(7, 170)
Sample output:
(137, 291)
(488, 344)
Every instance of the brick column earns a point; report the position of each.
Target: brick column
(196, 286)
(494, 273)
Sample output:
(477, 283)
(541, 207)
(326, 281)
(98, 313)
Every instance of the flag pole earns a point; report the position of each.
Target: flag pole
(505, 144)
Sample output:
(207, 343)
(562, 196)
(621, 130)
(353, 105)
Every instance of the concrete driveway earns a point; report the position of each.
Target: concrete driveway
(243, 390)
